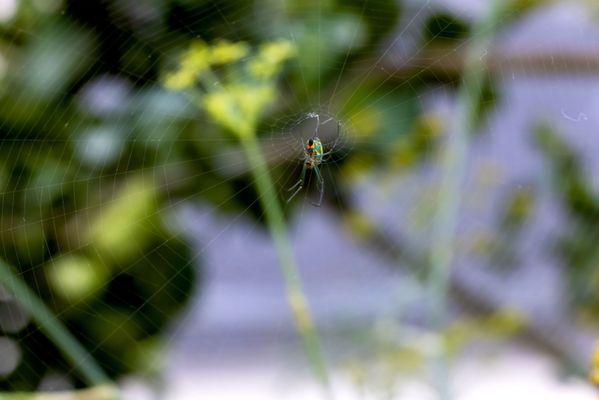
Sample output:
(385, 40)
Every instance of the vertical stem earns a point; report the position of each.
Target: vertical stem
(454, 171)
(276, 224)
(49, 324)
(105, 392)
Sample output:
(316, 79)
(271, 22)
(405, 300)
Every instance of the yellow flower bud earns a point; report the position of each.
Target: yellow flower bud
(225, 52)
(179, 80)
(594, 375)
(236, 105)
(270, 59)
(220, 106)
(196, 59)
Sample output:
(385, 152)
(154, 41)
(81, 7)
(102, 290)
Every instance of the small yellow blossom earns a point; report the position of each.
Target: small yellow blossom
(270, 59)
(254, 99)
(225, 52)
(220, 105)
(196, 59)
(75, 277)
(179, 80)
(238, 107)
(595, 367)
(278, 51)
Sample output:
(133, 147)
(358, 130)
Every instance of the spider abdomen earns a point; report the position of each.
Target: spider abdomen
(314, 152)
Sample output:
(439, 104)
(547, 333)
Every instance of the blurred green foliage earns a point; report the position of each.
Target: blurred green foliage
(576, 245)
(85, 205)
(446, 27)
(400, 352)
(95, 153)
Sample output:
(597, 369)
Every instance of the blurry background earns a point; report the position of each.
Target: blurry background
(133, 215)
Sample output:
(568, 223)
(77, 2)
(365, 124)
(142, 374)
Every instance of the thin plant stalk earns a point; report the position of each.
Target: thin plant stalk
(106, 392)
(237, 105)
(454, 172)
(277, 227)
(90, 371)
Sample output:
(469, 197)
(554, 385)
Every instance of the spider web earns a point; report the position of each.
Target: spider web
(189, 280)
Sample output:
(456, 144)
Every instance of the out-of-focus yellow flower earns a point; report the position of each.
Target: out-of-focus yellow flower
(501, 324)
(595, 367)
(269, 60)
(278, 51)
(193, 62)
(197, 58)
(121, 227)
(76, 277)
(221, 107)
(179, 80)
(253, 100)
(235, 105)
(238, 107)
(225, 52)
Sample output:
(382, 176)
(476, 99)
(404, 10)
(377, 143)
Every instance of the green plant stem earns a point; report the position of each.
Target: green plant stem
(91, 372)
(106, 392)
(276, 224)
(454, 172)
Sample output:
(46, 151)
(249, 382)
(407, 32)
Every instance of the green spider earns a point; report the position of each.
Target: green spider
(312, 157)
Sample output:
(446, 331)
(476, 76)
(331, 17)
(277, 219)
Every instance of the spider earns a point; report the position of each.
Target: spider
(313, 156)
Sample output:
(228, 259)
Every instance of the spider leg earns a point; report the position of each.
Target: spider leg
(299, 184)
(317, 125)
(327, 155)
(330, 119)
(319, 185)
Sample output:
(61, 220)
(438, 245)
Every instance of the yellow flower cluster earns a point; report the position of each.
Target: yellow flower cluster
(237, 103)
(595, 367)
(271, 57)
(238, 106)
(199, 57)
(193, 62)
(225, 52)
